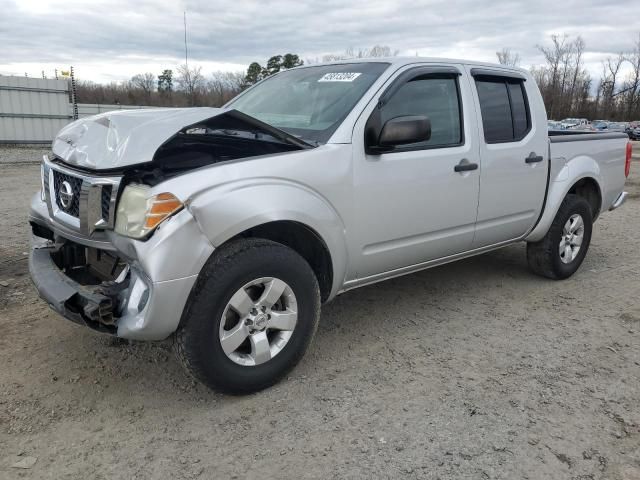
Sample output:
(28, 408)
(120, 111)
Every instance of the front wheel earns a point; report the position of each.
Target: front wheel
(250, 318)
(561, 252)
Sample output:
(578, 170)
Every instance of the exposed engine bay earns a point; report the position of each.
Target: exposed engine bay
(225, 136)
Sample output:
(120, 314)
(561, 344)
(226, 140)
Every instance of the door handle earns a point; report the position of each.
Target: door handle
(533, 158)
(465, 166)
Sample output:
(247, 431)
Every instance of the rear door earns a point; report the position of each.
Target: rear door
(411, 204)
(513, 154)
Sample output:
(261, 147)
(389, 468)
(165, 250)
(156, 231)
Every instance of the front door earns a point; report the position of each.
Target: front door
(414, 204)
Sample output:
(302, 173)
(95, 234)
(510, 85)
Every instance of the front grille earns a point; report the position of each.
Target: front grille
(73, 207)
(106, 201)
(79, 201)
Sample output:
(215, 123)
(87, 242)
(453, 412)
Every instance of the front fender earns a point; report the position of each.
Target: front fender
(564, 175)
(226, 210)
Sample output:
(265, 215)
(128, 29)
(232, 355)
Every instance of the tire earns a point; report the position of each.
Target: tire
(544, 257)
(231, 270)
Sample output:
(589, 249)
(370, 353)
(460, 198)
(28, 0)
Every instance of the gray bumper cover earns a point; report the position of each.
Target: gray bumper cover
(163, 271)
(619, 201)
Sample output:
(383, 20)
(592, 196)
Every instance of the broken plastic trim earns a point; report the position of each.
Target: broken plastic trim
(77, 283)
(229, 136)
(236, 121)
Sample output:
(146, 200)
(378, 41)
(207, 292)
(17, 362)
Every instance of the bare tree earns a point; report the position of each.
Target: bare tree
(376, 51)
(632, 85)
(223, 86)
(145, 82)
(577, 49)
(613, 66)
(191, 81)
(563, 81)
(507, 57)
(611, 69)
(553, 55)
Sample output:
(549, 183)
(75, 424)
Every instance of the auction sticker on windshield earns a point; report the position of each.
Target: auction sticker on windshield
(339, 77)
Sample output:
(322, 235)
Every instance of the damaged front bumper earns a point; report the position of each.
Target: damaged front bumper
(91, 305)
(143, 299)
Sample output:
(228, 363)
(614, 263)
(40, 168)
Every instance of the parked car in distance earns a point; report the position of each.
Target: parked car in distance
(227, 228)
(554, 125)
(580, 123)
(619, 127)
(634, 132)
(600, 125)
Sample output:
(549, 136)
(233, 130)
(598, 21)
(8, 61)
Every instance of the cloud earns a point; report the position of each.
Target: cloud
(114, 39)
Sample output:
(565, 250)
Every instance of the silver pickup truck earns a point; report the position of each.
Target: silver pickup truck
(227, 228)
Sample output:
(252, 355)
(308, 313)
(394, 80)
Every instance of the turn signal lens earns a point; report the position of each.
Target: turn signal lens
(627, 160)
(138, 213)
(163, 205)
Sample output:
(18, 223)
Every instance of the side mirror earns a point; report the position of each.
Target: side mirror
(405, 130)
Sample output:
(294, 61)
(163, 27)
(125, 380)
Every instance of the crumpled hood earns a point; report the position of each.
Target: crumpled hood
(123, 137)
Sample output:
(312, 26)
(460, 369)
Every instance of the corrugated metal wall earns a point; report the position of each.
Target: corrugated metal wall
(32, 109)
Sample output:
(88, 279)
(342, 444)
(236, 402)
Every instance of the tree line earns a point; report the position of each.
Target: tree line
(189, 86)
(567, 87)
(569, 90)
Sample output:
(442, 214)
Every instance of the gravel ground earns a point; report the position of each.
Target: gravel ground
(22, 154)
(477, 369)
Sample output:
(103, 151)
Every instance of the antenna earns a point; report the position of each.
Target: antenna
(186, 52)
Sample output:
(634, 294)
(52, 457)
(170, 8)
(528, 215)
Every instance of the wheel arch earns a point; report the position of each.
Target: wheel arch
(303, 240)
(585, 184)
(288, 213)
(589, 189)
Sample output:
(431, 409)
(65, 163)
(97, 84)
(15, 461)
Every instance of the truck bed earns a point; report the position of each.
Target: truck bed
(603, 154)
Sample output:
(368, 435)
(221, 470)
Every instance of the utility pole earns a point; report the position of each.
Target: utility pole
(186, 52)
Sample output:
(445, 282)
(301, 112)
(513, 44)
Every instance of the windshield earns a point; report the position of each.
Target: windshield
(309, 102)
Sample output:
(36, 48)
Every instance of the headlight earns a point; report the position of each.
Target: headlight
(139, 212)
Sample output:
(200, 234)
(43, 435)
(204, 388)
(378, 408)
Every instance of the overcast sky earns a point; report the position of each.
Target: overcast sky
(109, 40)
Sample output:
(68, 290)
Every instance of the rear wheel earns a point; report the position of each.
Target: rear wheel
(251, 317)
(561, 252)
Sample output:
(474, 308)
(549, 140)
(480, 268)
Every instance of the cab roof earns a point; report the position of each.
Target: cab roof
(402, 61)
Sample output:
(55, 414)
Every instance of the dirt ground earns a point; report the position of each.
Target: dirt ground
(476, 369)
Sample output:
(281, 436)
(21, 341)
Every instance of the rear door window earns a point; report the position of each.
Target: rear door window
(518, 110)
(504, 109)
